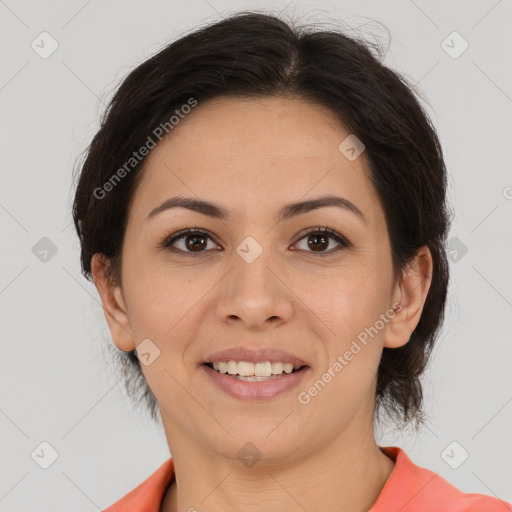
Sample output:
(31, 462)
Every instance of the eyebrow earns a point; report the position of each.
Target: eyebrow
(287, 212)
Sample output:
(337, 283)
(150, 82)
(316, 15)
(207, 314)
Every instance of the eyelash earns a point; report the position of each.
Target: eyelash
(168, 241)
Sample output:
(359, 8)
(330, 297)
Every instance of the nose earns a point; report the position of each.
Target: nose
(255, 295)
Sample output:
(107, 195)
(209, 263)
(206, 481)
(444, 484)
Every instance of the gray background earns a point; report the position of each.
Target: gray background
(55, 385)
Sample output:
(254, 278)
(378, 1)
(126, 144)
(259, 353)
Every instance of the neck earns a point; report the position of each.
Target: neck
(345, 476)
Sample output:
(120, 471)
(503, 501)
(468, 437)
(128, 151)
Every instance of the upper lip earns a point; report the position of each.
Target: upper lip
(254, 356)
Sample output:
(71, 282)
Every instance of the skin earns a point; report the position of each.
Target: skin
(252, 157)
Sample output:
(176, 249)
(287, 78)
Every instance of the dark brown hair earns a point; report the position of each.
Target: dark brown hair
(252, 54)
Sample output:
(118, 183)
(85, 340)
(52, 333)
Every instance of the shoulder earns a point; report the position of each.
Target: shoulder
(147, 496)
(482, 503)
(412, 488)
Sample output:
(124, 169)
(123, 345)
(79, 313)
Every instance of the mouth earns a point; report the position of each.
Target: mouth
(251, 386)
(254, 372)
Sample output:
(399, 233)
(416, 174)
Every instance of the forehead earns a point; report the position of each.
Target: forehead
(252, 153)
(273, 127)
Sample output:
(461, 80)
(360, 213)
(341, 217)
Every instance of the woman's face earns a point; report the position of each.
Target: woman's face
(258, 280)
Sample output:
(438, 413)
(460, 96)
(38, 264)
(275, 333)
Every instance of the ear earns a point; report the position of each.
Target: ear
(113, 303)
(409, 295)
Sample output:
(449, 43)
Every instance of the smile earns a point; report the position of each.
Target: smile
(244, 381)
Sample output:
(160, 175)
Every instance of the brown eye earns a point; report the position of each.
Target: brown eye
(194, 242)
(318, 240)
(191, 241)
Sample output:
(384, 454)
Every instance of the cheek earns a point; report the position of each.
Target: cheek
(345, 376)
(158, 292)
(346, 300)
(349, 308)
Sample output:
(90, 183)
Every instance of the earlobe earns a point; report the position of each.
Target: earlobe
(113, 303)
(411, 293)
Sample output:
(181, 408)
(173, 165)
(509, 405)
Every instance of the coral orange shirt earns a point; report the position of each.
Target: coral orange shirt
(409, 488)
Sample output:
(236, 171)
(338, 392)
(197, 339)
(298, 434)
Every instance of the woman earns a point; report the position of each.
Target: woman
(263, 213)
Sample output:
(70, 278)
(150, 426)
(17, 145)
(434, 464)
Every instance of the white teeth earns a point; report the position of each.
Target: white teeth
(233, 368)
(277, 368)
(288, 368)
(263, 369)
(253, 378)
(246, 369)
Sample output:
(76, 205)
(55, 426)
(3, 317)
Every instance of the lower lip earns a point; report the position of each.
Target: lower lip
(261, 390)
